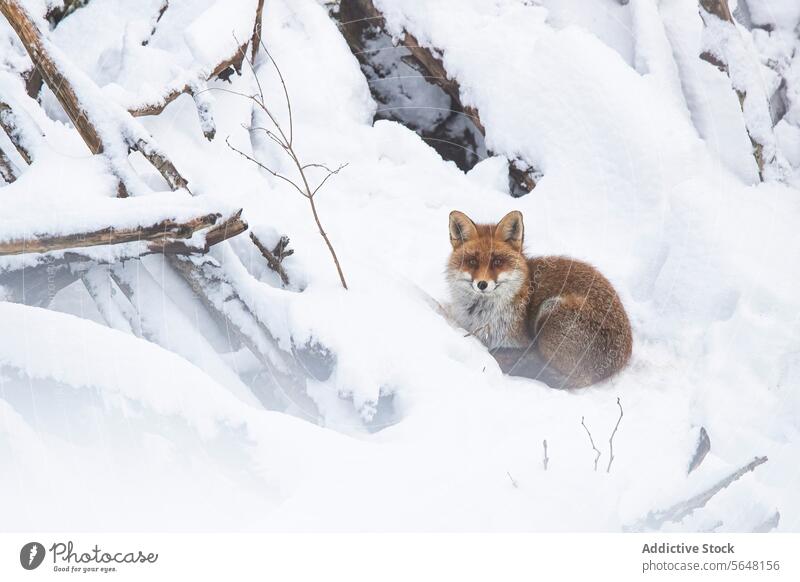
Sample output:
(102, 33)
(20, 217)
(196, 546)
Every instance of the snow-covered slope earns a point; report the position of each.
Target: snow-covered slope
(705, 263)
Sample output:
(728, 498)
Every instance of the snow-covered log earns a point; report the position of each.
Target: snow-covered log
(194, 83)
(726, 51)
(167, 236)
(19, 130)
(217, 291)
(356, 16)
(115, 308)
(88, 109)
(207, 278)
(8, 171)
(38, 284)
(682, 509)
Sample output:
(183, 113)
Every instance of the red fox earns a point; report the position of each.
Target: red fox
(552, 318)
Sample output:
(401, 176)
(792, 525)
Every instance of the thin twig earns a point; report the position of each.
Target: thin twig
(325, 179)
(546, 459)
(513, 481)
(591, 440)
(285, 91)
(611, 438)
(286, 143)
(263, 167)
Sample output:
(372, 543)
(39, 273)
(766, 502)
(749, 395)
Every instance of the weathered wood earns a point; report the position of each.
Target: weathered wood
(10, 124)
(255, 41)
(356, 16)
(8, 171)
(272, 260)
(58, 13)
(163, 164)
(720, 9)
(37, 48)
(165, 236)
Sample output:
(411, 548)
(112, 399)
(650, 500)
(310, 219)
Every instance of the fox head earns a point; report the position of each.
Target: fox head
(487, 259)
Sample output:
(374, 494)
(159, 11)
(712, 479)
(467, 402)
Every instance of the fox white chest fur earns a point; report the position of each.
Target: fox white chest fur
(495, 318)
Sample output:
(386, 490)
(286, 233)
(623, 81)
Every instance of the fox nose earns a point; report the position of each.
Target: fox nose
(482, 285)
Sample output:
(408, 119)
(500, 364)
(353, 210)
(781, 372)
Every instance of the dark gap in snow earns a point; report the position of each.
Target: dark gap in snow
(399, 85)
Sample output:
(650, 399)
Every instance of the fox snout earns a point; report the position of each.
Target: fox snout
(482, 285)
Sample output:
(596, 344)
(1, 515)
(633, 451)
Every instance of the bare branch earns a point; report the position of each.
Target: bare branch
(163, 164)
(285, 92)
(263, 167)
(611, 438)
(166, 236)
(591, 440)
(325, 179)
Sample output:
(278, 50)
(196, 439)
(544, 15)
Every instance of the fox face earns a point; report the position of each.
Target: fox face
(487, 260)
(487, 275)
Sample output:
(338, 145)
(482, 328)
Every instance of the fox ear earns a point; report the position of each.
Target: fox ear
(462, 229)
(511, 229)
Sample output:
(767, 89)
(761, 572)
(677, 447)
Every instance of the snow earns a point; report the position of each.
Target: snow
(419, 429)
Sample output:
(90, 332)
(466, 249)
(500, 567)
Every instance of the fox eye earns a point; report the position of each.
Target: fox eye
(472, 262)
(497, 262)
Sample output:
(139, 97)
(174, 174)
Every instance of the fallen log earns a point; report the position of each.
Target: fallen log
(719, 10)
(8, 171)
(16, 131)
(197, 87)
(166, 236)
(358, 20)
(116, 309)
(207, 278)
(655, 519)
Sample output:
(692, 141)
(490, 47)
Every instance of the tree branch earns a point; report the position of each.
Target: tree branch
(167, 236)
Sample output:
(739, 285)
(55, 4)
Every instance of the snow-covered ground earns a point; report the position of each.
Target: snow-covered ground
(647, 174)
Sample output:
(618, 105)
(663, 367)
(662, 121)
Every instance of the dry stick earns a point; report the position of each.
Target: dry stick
(611, 438)
(546, 459)
(591, 440)
(286, 144)
(513, 481)
(272, 260)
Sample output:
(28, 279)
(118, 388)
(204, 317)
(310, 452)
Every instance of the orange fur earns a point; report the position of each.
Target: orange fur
(553, 318)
